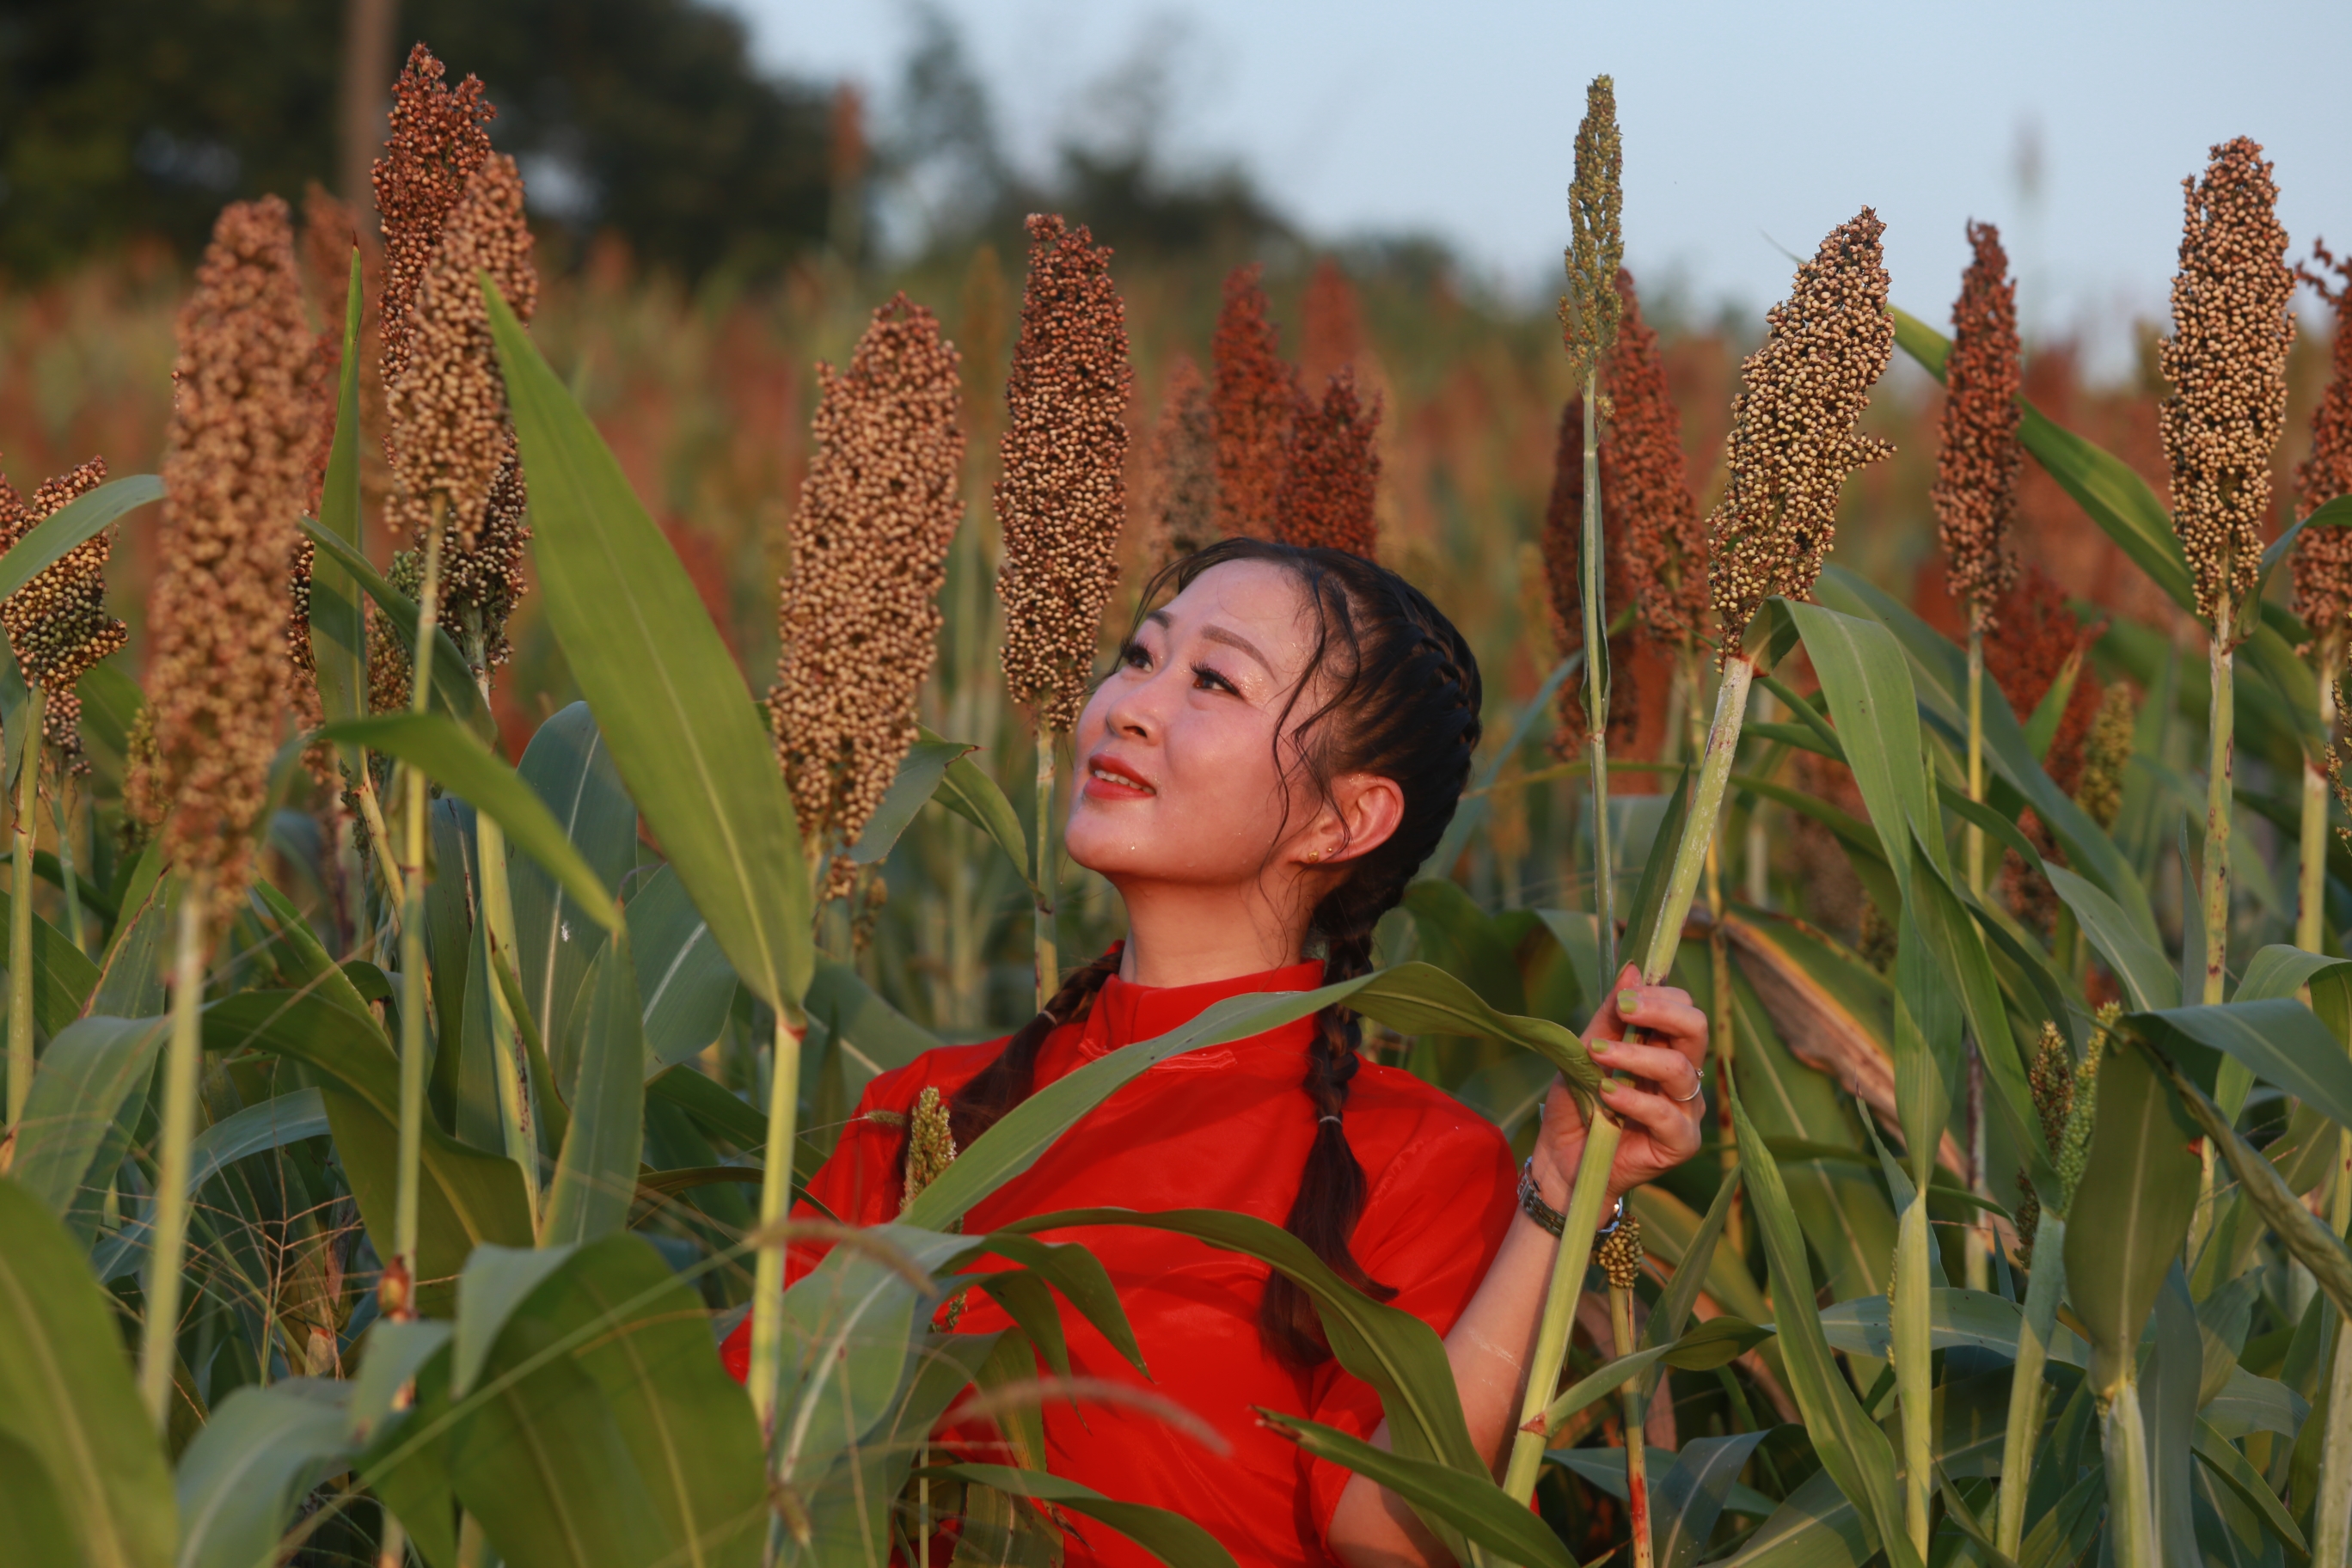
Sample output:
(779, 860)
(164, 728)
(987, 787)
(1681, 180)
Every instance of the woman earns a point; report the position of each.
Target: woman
(1277, 752)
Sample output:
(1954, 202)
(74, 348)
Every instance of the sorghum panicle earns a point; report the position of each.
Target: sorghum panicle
(58, 623)
(438, 139)
(1596, 250)
(1975, 493)
(2322, 556)
(1331, 470)
(1794, 435)
(1255, 395)
(1182, 510)
(1645, 491)
(1563, 548)
(930, 1146)
(236, 470)
(859, 620)
(2226, 362)
(2106, 754)
(450, 433)
(1062, 494)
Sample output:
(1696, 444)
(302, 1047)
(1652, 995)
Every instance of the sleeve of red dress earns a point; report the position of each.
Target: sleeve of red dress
(1431, 1229)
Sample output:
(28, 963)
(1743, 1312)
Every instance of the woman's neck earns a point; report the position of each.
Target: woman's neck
(1182, 935)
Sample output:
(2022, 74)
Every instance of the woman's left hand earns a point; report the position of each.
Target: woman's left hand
(1658, 1102)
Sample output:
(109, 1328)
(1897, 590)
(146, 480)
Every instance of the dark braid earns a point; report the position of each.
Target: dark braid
(1008, 1081)
(1397, 696)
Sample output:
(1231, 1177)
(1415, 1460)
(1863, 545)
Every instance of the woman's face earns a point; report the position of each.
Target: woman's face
(1177, 776)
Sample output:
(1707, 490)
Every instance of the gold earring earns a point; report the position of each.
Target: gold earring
(1314, 856)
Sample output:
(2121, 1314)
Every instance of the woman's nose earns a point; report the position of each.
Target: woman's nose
(1134, 710)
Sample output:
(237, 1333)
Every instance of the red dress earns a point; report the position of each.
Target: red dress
(1228, 1128)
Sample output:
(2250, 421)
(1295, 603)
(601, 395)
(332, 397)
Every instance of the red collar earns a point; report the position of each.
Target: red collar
(1125, 1013)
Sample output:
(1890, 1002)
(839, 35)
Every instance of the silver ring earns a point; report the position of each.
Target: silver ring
(1698, 1086)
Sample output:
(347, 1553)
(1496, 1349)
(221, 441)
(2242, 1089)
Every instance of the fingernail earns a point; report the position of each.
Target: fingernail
(1627, 1002)
(1608, 1086)
(1600, 1047)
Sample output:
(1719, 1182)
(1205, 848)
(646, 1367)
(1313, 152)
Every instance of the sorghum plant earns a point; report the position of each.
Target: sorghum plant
(1793, 443)
(235, 469)
(1975, 492)
(1060, 501)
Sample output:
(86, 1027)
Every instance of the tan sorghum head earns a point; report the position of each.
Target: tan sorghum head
(1596, 250)
(1793, 436)
(1645, 494)
(2322, 556)
(58, 623)
(1255, 393)
(1181, 468)
(860, 620)
(1062, 495)
(236, 467)
(1975, 493)
(437, 142)
(451, 436)
(2226, 362)
(1331, 470)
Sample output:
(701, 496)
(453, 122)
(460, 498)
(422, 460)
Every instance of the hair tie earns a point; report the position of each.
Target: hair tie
(1333, 1120)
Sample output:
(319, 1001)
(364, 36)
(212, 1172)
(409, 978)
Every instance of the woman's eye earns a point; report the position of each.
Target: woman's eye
(1210, 680)
(1134, 656)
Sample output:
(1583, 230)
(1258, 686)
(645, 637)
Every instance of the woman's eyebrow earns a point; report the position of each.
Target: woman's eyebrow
(1237, 641)
(1213, 633)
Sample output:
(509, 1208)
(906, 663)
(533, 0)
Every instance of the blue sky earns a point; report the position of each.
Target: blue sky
(1748, 128)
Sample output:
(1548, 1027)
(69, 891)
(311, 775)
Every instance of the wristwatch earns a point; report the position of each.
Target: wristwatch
(1532, 1204)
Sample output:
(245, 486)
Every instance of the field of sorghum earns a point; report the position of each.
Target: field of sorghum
(2012, 891)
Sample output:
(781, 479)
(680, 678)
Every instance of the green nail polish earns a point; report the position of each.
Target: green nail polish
(1627, 1001)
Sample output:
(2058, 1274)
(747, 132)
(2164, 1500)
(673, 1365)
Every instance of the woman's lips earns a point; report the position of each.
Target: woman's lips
(1107, 780)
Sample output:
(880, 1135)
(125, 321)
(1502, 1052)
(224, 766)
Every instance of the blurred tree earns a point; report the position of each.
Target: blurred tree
(951, 181)
(121, 119)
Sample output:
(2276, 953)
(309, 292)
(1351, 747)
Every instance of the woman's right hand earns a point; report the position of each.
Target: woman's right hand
(1660, 1108)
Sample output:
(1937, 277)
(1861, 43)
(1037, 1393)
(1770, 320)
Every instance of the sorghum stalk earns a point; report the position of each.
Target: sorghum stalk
(1620, 1259)
(1049, 972)
(61, 812)
(2029, 1392)
(1915, 1380)
(2311, 910)
(167, 1242)
(2331, 1533)
(400, 1274)
(20, 921)
(495, 897)
(1975, 840)
(775, 1205)
(2065, 1098)
(1596, 691)
(1824, 349)
(2131, 1492)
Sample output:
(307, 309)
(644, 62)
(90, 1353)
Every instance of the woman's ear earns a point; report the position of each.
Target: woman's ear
(1370, 808)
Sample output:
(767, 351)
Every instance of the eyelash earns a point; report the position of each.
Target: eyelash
(1135, 656)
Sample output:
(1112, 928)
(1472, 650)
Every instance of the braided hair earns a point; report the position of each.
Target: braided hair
(1396, 694)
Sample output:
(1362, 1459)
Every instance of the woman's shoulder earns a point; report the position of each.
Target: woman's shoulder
(944, 1067)
(1419, 1119)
